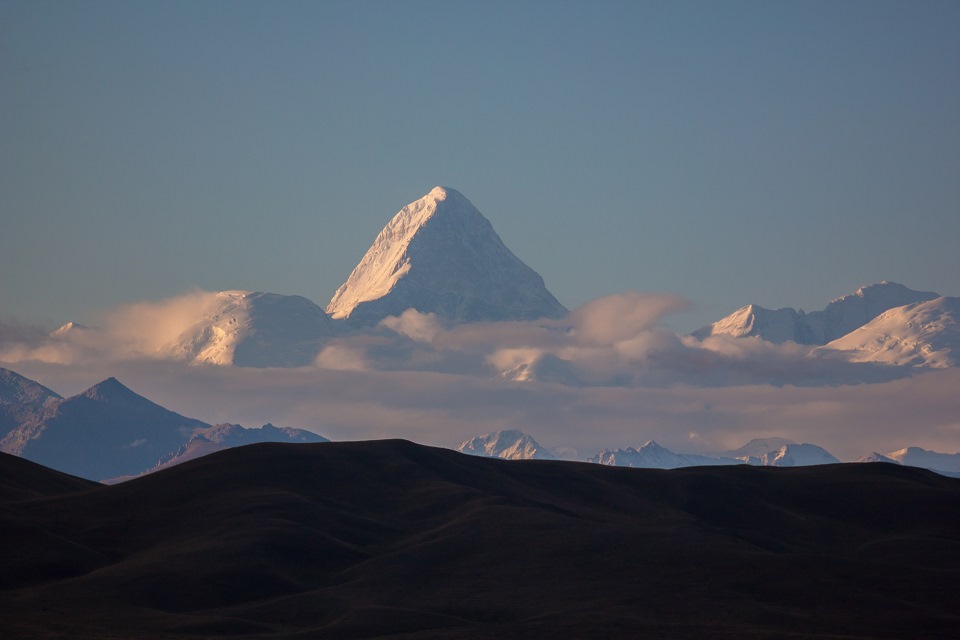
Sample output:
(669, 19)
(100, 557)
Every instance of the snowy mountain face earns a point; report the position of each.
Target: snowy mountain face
(766, 452)
(509, 444)
(440, 255)
(68, 329)
(777, 325)
(781, 452)
(104, 432)
(252, 329)
(839, 318)
(924, 334)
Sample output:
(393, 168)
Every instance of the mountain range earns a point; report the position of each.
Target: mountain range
(108, 432)
(922, 334)
(440, 257)
(390, 540)
(513, 444)
(509, 444)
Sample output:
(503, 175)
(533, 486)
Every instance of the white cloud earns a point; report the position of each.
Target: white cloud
(611, 319)
(422, 327)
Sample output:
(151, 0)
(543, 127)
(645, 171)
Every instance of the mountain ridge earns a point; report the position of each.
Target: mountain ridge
(841, 316)
(922, 334)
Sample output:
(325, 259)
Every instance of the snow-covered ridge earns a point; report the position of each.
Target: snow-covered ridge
(254, 329)
(838, 318)
(923, 334)
(440, 255)
(653, 456)
(917, 457)
(509, 444)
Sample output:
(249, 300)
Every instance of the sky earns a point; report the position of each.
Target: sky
(660, 164)
(777, 153)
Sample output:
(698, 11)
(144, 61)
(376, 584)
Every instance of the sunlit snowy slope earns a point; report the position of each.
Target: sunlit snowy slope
(440, 255)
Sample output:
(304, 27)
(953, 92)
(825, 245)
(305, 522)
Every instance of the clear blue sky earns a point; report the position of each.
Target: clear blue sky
(781, 153)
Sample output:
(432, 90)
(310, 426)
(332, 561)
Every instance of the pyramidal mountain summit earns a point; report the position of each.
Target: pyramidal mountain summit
(440, 255)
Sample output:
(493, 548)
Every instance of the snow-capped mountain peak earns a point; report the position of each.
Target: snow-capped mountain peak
(923, 334)
(509, 444)
(653, 456)
(797, 455)
(838, 318)
(854, 310)
(67, 329)
(255, 329)
(440, 255)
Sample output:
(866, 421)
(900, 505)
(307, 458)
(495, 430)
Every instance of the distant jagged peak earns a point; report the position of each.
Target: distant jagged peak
(255, 329)
(509, 444)
(651, 455)
(876, 457)
(440, 255)
(886, 289)
(841, 316)
(923, 334)
(68, 329)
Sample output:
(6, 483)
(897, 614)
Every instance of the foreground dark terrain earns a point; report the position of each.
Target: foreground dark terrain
(392, 539)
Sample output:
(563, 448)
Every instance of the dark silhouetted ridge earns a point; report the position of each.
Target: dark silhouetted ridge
(390, 539)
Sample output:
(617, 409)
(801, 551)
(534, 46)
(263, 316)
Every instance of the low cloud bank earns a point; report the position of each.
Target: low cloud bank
(607, 376)
(128, 332)
(445, 409)
(612, 341)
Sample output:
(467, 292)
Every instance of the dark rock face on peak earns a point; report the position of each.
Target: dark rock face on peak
(105, 432)
(16, 389)
(440, 255)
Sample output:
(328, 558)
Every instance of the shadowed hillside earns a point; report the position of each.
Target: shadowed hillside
(393, 539)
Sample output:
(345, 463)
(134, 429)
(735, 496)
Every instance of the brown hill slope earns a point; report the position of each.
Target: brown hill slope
(392, 539)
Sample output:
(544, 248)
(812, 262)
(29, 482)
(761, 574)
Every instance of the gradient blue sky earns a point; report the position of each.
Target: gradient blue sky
(781, 153)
